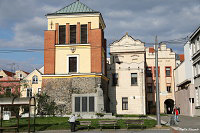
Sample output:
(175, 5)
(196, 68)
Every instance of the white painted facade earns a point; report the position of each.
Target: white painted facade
(127, 58)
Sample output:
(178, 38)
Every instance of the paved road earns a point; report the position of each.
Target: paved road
(112, 131)
(186, 123)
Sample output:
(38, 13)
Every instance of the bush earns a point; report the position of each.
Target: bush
(45, 106)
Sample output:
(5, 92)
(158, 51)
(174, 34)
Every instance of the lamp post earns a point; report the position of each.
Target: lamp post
(157, 85)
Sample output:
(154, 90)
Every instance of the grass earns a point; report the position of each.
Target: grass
(61, 123)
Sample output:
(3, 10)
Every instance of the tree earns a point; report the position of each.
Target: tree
(45, 106)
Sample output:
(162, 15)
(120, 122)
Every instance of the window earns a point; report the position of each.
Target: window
(73, 34)
(39, 91)
(133, 78)
(72, 64)
(35, 80)
(77, 104)
(124, 103)
(149, 89)
(8, 91)
(169, 89)
(20, 76)
(197, 95)
(84, 34)
(168, 71)
(149, 72)
(115, 79)
(84, 104)
(91, 104)
(29, 92)
(155, 71)
(62, 34)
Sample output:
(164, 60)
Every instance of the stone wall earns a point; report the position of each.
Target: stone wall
(61, 89)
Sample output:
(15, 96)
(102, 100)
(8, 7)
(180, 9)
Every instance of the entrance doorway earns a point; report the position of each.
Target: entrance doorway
(169, 105)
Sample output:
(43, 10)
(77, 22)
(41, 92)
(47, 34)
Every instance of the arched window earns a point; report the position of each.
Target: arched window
(35, 79)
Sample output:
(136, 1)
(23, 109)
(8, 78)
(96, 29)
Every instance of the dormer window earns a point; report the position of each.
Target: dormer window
(20, 76)
(35, 79)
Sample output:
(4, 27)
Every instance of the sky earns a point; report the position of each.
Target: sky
(22, 24)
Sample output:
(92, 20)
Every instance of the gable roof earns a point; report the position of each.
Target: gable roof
(8, 73)
(194, 33)
(75, 7)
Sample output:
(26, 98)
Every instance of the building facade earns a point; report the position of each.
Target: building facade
(195, 50)
(31, 85)
(166, 65)
(75, 59)
(184, 83)
(126, 72)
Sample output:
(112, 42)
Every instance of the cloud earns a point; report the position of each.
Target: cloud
(27, 34)
(26, 65)
(142, 19)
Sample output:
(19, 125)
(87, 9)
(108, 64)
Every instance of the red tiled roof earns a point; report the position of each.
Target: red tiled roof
(151, 50)
(9, 73)
(181, 57)
(26, 72)
(7, 79)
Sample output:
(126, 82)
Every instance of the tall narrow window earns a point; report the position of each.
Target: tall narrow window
(72, 64)
(115, 79)
(77, 104)
(39, 91)
(149, 72)
(133, 78)
(84, 104)
(91, 104)
(29, 92)
(84, 34)
(168, 71)
(34, 79)
(73, 34)
(124, 103)
(169, 88)
(62, 34)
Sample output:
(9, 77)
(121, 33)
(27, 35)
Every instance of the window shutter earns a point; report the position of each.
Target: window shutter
(73, 34)
(62, 34)
(84, 34)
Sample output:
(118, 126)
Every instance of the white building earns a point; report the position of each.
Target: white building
(126, 72)
(195, 48)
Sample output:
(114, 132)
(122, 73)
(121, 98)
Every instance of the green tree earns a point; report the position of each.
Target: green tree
(45, 105)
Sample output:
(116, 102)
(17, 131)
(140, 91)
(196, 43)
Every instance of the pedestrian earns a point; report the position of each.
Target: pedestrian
(72, 121)
(177, 113)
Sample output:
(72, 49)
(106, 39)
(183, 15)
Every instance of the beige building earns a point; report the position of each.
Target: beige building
(127, 78)
(166, 65)
(19, 74)
(32, 84)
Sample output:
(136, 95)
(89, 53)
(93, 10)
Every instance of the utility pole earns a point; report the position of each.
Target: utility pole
(157, 85)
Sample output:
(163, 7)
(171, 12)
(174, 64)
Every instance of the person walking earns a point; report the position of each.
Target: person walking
(72, 121)
(177, 113)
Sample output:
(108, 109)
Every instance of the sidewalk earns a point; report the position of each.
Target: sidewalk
(185, 124)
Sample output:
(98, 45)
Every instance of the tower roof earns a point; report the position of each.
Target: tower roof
(75, 7)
